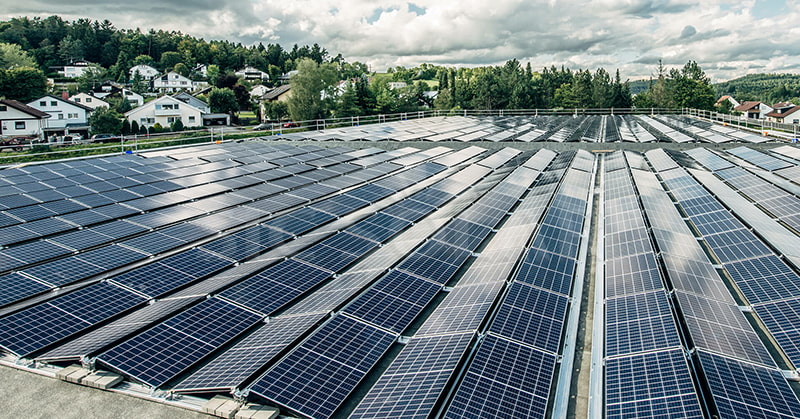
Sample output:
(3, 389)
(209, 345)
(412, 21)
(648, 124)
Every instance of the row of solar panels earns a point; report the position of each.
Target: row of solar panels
(729, 372)
(578, 128)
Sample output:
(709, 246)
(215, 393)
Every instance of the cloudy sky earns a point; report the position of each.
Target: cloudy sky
(728, 39)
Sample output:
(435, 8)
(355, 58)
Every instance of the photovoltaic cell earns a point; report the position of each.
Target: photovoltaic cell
(533, 316)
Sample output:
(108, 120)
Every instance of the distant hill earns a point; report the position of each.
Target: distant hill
(769, 88)
(638, 86)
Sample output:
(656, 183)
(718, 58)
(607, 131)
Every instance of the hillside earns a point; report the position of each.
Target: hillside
(768, 88)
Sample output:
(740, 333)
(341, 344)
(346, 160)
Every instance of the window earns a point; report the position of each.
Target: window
(183, 83)
(61, 116)
(53, 103)
(77, 100)
(88, 100)
(172, 119)
(3, 108)
(148, 120)
(191, 118)
(42, 103)
(796, 121)
(19, 125)
(72, 116)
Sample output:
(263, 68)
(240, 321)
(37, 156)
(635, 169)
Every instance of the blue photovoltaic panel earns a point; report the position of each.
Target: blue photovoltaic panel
(340, 205)
(379, 227)
(639, 322)
(533, 316)
(432, 197)
(28, 253)
(463, 234)
(436, 261)
(394, 301)
(409, 210)
(651, 385)
(111, 257)
(782, 319)
(276, 285)
(370, 193)
(741, 389)
(231, 368)
(415, 379)
(317, 376)
(764, 279)
(15, 287)
(633, 274)
(165, 350)
(504, 380)
(196, 262)
(557, 240)
(39, 326)
(547, 270)
(327, 257)
(153, 279)
(64, 271)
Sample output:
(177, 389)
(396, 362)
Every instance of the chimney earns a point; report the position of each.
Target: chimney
(65, 95)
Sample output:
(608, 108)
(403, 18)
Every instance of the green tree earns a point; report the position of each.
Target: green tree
(181, 69)
(275, 110)
(222, 101)
(123, 106)
(177, 126)
(169, 60)
(23, 84)
(134, 127)
(308, 84)
(12, 55)
(94, 75)
(105, 120)
(213, 73)
(143, 59)
(126, 127)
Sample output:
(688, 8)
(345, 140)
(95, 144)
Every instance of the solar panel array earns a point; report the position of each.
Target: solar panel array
(429, 283)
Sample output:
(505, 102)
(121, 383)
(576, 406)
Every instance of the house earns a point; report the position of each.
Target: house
(258, 91)
(20, 120)
(74, 69)
(66, 116)
(753, 110)
(88, 100)
(396, 85)
(134, 98)
(286, 77)
(734, 103)
(785, 113)
(251, 73)
(201, 69)
(145, 71)
(172, 82)
(192, 100)
(278, 94)
(107, 88)
(168, 109)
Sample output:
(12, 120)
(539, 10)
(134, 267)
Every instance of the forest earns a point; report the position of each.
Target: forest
(767, 88)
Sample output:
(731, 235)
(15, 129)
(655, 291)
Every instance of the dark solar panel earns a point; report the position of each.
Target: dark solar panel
(532, 316)
(16, 287)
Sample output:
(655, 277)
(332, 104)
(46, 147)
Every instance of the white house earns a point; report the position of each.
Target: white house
(86, 99)
(258, 90)
(753, 110)
(66, 116)
(134, 98)
(201, 69)
(75, 69)
(145, 71)
(164, 111)
(396, 85)
(192, 100)
(785, 113)
(251, 73)
(172, 82)
(20, 120)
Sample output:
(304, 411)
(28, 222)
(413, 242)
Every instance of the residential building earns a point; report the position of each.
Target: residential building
(727, 98)
(280, 94)
(66, 116)
(86, 99)
(258, 91)
(20, 120)
(396, 84)
(172, 82)
(251, 73)
(753, 110)
(134, 98)
(145, 71)
(165, 111)
(785, 113)
(74, 69)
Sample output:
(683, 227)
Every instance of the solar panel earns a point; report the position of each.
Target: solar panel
(653, 385)
(547, 270)
(436, 261)
(39, 326)
(741, 389)
(638, 323)
(394, 301)
(632, 274)
(505, 379)
(415, 379)
(17, 287)
(160, 353)
(316, 377)
(231, 368)
(531, 315)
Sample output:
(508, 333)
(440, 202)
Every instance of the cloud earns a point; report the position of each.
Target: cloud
(631, 35)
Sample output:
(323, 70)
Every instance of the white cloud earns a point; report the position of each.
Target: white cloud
(725, 38)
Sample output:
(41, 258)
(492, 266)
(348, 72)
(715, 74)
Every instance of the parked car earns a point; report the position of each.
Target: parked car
(290, 124)
(72, 139)
(262, 127)
(104, 138)
(14, 144)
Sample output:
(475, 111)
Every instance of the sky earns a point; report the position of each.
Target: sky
(728, 39)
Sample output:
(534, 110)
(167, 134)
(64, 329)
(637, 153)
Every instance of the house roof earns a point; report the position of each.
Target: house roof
(30, 110)
(746, 106)
(276, 92)
(784, 113)
(723, 98)
(190, 100)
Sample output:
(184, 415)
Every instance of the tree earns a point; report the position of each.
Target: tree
(23, 84)
(222, 101)
(12, 55)
(213, 74)
(143, 59)
(275, 110)
(169, 59)
(177, 126)
(126, 127)
(93, 75)
(105, 120)
(307, 87)
(124, 106)
(181, 69)
(134, 127)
